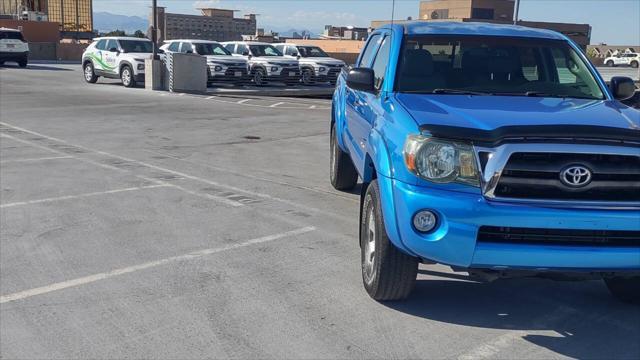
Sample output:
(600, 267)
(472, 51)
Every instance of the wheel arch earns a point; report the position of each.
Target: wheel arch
(123, 64)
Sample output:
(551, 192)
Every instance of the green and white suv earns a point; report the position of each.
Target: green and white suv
(117, 57)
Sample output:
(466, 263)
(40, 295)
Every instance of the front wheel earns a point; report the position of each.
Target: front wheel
(259, 77)
(634, 64)
(387, 273)
(625, 289)
(610, 63)
(23, 63)
(126, 75)
(342, 173)
(307, 77)
(89, 73)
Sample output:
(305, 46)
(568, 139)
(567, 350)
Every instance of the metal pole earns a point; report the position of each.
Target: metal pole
(154, 29)
(77, 22)
(517, 11)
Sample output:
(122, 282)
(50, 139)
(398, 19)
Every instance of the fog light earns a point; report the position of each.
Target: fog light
(217, 68)
(425, 221)
(140, 66)
(275, 68)
(322, 69)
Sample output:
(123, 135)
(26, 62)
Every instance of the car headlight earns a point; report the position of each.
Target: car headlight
(140, 66)
(217, 68)
(321, 69)
(274, 68)
(441, 161)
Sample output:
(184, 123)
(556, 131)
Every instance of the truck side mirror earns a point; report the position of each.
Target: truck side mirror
(361, 79)
(622, 88)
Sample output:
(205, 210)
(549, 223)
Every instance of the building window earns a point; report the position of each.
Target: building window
(481, 13)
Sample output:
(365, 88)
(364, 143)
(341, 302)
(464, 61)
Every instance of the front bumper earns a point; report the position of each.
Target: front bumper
(454, 242)
(287, 75)
(227, 74)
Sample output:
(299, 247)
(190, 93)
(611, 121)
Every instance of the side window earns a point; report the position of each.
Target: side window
(231, 48)
(529, 62)
(367, 55)
(242, 48)
(112, 44)
(291, 50)
(101, 45)
(186, 47)
(280, 48)
(381, 62)
(174, 47)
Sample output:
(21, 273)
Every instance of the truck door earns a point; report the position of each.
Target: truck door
(110, 56)
(98, 55)
(356, 107)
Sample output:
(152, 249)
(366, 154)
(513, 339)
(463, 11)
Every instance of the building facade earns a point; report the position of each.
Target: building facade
(492, 11)
(345, 32)
(213, 24)
(75, 17)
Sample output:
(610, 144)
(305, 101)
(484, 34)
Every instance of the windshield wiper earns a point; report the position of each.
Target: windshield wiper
(447, 91)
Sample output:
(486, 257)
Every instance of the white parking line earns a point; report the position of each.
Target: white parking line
(242, 101)
(276, 104)
(106, 275)
(35, 159)
(71, 197)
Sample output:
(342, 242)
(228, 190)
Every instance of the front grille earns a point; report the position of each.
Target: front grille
(510, 235)
(537, 176)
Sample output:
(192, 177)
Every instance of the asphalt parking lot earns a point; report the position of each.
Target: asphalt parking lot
(139, 224)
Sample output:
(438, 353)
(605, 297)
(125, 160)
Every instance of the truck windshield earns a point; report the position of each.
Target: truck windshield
(211, 49)
(494, 66)
(136, 46)
(264, 50)
(311, 51)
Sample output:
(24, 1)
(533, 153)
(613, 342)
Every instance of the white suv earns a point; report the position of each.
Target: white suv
(266, 63)
(13, 47)
(315, 64)
(628, 59)
(221, 64)
(117, 57)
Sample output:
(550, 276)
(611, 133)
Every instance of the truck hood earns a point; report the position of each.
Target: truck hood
(226, 59)
(488, 113)
(280, 60)
(322, 60)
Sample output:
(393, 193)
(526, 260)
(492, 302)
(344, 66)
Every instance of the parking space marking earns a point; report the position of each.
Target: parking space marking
(280, 107)
(113, 273)
(242, 101)
(35, 159)
(71, 197)
(186, 176)
(276, 104)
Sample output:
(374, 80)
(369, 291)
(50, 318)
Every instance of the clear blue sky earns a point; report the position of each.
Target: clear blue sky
(613, 21)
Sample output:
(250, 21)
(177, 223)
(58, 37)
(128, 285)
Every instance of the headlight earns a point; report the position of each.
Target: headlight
(217, 68)
(140, 66)
(274, 68)
(441, 161)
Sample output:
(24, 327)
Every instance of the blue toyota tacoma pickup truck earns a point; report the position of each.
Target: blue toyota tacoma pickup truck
(497, 150)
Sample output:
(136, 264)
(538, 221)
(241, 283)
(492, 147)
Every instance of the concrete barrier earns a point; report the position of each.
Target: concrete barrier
(187, 73)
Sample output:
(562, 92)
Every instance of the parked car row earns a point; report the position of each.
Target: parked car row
(236, 62)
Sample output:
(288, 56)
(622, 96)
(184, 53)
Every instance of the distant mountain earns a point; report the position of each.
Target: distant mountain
(288, 32)
(105, 22)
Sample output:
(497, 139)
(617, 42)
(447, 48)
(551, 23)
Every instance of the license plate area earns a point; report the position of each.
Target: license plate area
(237, 74)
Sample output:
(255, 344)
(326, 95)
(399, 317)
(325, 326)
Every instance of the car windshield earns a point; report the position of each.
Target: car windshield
(264, 50)
(211, 49)
(136, 46)
(13, 35)
(311, 51)
(494, 66)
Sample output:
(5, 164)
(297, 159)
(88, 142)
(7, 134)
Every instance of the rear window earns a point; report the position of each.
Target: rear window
(13, 35)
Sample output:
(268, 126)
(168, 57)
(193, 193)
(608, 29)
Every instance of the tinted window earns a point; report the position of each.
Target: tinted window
(112, 44)
(380, 63)
(242, 48)
(311, 51)
(494, 65)
(210, 49)
(175, 47)
(101, 45)
(264, 50)
(136, 46)
(230, 47)
(291, 50)
(279, 47)
(368, 53)
(13, 35)
(186, 47)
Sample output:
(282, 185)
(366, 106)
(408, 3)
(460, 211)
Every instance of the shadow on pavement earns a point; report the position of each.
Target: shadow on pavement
(588, 323)
(35, 67)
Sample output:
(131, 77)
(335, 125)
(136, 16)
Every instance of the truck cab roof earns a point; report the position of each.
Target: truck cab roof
(474, 28)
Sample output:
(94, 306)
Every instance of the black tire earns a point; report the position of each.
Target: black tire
(89, 73)
(127, 77)
(342, 173)
(307, 77)
(259, 76)
(610, 63)
(23, 63)
(634, 64)
(387, 273)
(626, 289)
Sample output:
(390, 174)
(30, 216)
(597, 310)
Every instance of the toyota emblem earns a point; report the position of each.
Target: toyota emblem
(576, 176)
